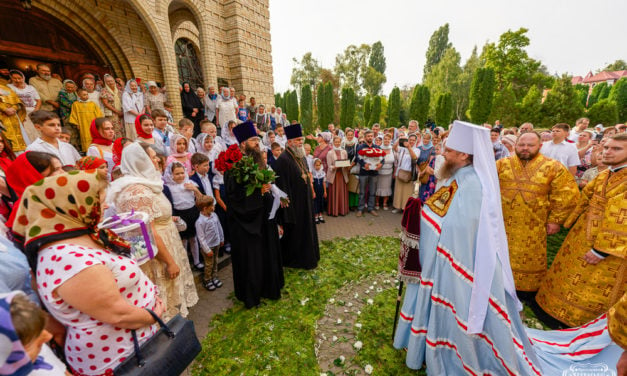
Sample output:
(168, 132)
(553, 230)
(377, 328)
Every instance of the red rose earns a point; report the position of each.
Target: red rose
(229, 166)
(233, 155)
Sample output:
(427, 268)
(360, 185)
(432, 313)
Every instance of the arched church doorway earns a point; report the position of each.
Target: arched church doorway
(28, 38)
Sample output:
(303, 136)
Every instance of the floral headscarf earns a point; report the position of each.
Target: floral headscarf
(90, 163)
(173, 140)
(62, 207)
(96, 137)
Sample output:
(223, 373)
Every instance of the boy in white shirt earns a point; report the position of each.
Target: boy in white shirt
(162, 131)
(49, 126)
(211, 237)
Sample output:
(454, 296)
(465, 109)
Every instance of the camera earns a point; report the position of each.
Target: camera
(403, 142)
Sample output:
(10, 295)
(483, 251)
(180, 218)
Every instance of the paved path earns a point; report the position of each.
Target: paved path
(214, 302)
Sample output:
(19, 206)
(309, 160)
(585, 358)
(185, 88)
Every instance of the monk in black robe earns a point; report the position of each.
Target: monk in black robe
(299, 245)
(255, 246)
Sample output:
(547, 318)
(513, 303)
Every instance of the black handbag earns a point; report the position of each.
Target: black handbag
(169, 352)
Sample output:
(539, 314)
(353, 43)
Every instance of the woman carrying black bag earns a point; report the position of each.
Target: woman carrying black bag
(84, 275)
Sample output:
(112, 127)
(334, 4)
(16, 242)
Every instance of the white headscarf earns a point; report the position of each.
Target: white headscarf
(137, 169)
(182, 197)
(228, 136)
(491, 239)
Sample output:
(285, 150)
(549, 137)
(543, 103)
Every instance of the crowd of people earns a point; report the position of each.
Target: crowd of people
(70, 158)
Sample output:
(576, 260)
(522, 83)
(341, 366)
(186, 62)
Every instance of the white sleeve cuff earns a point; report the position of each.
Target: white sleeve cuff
(597, 254)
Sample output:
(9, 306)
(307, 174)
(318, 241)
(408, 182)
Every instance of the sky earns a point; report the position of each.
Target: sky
(573, 37)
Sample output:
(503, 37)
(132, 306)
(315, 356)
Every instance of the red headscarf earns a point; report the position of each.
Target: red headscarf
(96, 137)
(138, 127)
(90, 163)
(20, 174)
(117, 151)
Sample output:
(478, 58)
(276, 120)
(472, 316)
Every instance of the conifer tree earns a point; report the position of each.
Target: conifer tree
(481, 95)
(306, 109)
(375, 113)
(444, 110)
(394, 108)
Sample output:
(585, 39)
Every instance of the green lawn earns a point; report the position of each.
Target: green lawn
(278, 338)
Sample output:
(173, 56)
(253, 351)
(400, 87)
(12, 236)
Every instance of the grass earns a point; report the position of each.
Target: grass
(278, 338)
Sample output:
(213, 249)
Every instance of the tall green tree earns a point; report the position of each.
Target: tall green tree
(582, 92)
(530, 106)
(481, 95)
(367, 109)
(561, 105)
(352, 65)
(306, 109)
(444, 110)
(285, 103)
(394, 108)
(320, 106)
(305, 72)
(444, 76)
(504, 107)
(329, 105)
(603, 112)
(510, 61)
(292, 106)
(373, 81)
(377, 57)
(597, 93)
(278, 99)
(438, 44)
(618, 94)
(347, 106)
(419, 105)
(461, 95)
(617, 65)
(375, 114)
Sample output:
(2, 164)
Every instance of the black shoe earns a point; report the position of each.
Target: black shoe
(317, 221)
(209, 285)
(322, 220)
(217, 283)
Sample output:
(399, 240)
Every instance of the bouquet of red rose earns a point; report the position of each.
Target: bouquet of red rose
(243, 168)
(372, 156)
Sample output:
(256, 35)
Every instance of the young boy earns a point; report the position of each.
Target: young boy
(168, 112)
(202, 175)
(66, 135)
(211, 237)
(242, 111)
(186, 129)
(162, 131)
(309, 157)
(280, 135)
(49, 126)
(83, 113)
(273, 155)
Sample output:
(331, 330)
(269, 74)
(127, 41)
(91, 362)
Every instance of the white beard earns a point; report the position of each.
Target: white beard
(299, 151)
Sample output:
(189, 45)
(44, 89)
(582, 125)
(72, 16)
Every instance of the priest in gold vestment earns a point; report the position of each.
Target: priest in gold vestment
(12, 113)
(617, 326)
(589, 273)
(537, 194)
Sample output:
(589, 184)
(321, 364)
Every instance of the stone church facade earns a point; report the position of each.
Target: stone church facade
(210, 42)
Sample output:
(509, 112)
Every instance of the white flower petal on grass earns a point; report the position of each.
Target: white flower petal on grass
(374, 283)
(370, 287)
(342, 359)
(358, 345)
(370, 301)
(356, 296)
(379, 289)
(368, 369)
(331, 300)
(349, 304)
(334, 339)
(358, 312)
(339, 321)
(358, 325)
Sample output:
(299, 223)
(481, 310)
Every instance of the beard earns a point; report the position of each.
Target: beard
(257, 155)
(46, 77)
(448, 169)
(527, 156)
(299, 151)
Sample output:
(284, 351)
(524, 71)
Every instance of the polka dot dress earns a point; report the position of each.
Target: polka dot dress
(93, 347)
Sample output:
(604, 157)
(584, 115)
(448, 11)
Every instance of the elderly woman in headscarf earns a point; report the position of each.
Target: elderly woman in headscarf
(111, 101)
(67, 97)
(141, 189)
(193, 109)
(154, 98)
(323, 148)
(133, 106)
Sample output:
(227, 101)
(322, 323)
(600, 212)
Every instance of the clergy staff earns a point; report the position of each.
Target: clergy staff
(255, 246)
(299, 244)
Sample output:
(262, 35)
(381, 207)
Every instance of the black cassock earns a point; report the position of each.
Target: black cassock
(299, 245)
(255, 245)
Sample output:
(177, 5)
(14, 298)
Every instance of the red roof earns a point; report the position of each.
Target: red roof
(576, 80)
(605, 76)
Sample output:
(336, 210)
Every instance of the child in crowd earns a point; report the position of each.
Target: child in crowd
(144, 127)
(268, 139)
(280, 135)
(209, 128)
(186, 129)
(308, 157)
(83, 113)
(227, 134)
(219, 193)
(201, 176)
(242, 111)
(49, 126)
(183, 194)
(167, 108)
(320, 190)
(24, 337)
(179, 153)
(211, 238)
(94, 163)
(274, 153)
(205, 146)
(162, 131)
(65, 135)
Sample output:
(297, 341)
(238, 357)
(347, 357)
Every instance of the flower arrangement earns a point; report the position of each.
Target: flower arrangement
(244, 169)
(372, 156)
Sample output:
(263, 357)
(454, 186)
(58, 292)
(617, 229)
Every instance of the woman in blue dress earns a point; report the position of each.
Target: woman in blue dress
(426, 164)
